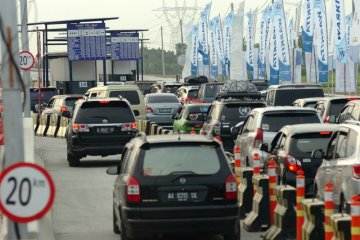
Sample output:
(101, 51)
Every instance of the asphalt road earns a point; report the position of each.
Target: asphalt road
(83, 201)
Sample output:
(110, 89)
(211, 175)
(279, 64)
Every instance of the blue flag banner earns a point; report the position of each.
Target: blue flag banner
(308, 26)
(340, 32)
(262, 49)
(228, 25)
(203, 36)
(283, 50)
(250, 45)
(194, 51)
(348, 30)
(213, 54)
(322, 44)
(273, 56)
(219, 44)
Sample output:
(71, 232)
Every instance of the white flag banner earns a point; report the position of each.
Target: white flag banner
(345, 81)
(256, 66)
(338, 15)
(297, 24)
(355, 26)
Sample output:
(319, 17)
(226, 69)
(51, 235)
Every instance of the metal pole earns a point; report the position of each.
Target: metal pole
(47, 83)
(104, 71)
(142, 56)
(162, 51)
(345, 79)
(71, 77)
(25, 47)
(11, 95)
(112, 71)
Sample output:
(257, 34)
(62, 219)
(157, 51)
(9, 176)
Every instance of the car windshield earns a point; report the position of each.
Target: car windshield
(193, 93)
(170, 88)
(336, 106)
(235, 113)
(158, 98)
(212, 90)
(273, 122)
(111, 112)
(170, 159)
(131, 96)
(284, 97)
(303, 144)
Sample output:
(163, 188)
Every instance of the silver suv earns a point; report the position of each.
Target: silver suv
(262, 124)
(341, 165)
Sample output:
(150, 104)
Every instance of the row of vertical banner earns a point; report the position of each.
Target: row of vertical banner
(279, 55)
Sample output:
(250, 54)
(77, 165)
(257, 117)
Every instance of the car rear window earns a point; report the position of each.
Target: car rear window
(212, 90)
(170, 88)
(175, 159)
(97, 112)
(131, 96)
(336, 106)
(284, 97)
(302, 145)
(310, 104)
(162, 99)
(273, 122)
(70, 101)
(193, 93)
(235, 113)
(46, 94)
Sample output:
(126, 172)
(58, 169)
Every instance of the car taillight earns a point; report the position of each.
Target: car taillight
(132, 190)
(149, 109)
(326, 119)
(356, 171)
(259, 139)
(231, 188)
(63, 109)
(129, 126)
(80, 127)
(217, 128)
(292, 164)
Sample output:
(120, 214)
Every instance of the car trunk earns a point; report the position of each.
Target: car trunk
(164, 108)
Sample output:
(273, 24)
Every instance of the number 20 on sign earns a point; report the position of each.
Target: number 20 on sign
(27, 192)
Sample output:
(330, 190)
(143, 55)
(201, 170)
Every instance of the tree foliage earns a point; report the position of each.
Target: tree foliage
(153, 62)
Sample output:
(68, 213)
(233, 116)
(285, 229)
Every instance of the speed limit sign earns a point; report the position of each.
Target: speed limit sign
(27, 192)
(26, 60)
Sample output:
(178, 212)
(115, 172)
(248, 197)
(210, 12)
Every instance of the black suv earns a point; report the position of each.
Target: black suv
(229, 109)
(174, 184)
(99, 127)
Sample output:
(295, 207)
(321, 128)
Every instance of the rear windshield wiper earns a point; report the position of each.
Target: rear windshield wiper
(186, 174)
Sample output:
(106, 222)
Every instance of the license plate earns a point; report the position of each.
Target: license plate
(105, 130)
(165, 110)
(306, 160)
(182, 196)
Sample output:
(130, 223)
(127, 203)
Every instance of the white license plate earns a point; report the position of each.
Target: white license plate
(165, 110)
(182, 196)
(105, 130)
(306, 160)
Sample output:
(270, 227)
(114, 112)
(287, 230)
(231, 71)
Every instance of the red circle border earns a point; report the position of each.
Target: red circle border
(33, 60)
(48, 205)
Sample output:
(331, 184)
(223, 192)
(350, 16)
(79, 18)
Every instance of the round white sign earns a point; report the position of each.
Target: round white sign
(26, 60)
(27, 192)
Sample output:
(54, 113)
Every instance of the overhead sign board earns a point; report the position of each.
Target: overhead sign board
(124, 46)
(86, 41)
(27, 192)
(26, 60)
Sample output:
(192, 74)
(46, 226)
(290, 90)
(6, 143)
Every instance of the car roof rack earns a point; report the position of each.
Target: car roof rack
(239, 95)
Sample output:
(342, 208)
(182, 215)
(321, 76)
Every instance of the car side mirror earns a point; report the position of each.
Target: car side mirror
(113, 170)
(317, 154)
(200, 117)
(174, 117)
(332, 119)
(136, 112)
(234, 131)
(264, 147)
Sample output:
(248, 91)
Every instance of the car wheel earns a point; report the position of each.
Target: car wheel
(115, 225)
(123, 230)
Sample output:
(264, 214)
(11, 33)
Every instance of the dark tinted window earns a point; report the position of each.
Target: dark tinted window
(162, 99)
(212, 90)
(261, 85)
(174, 159)
(274, 122)
(235, 113)
(285, 97)
(70, 101)
(310, 104)
(131, 96)
(46, 94)
(193, 93)
(302, 145)
(336, 106)
(96, 112)
(170, 88)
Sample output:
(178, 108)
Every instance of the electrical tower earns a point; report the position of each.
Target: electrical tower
(177, 14)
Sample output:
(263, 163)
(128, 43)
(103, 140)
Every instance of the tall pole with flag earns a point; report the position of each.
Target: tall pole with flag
(203, 35)
(250, 46)
(228, 24)
(308, 35)
(213, 53)
(194, 50)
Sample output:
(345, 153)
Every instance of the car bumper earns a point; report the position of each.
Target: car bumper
(148, 221)
(162, 119)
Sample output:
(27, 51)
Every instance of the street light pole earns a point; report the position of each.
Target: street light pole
(10, 77)
(25, 47)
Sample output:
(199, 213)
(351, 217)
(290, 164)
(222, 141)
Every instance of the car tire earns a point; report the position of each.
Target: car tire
(123, 230)
(115, 226)
(73, 160)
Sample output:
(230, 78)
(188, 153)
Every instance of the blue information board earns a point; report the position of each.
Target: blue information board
(124, 46)
(86, 41)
